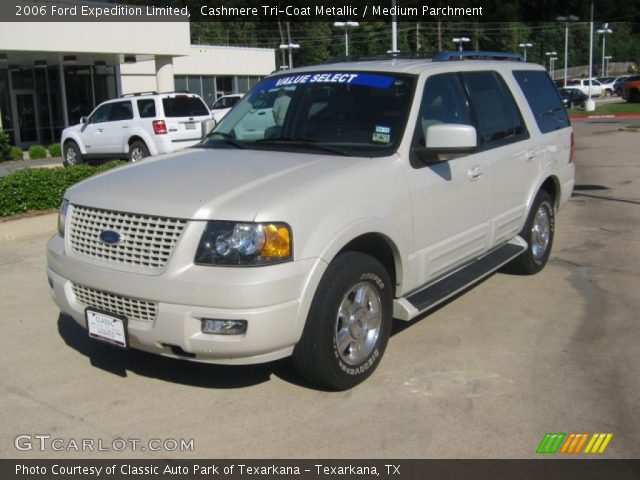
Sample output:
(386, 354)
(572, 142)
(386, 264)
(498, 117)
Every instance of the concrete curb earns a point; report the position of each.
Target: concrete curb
(608, 115)
(27, 227)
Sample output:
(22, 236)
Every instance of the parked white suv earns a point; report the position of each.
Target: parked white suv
(380, 189)
(583, 85)
(136, 126)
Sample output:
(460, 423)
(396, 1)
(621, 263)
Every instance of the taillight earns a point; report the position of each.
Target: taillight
(573, 148)
(159, 127)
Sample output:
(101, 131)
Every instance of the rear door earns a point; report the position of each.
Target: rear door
(511, 155)
(184, 115)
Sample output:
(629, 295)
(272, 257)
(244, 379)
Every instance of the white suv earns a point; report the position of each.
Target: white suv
(135, 126)
(378, 190)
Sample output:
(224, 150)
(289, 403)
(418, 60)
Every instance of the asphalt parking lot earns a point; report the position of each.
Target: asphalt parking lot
(484, 376)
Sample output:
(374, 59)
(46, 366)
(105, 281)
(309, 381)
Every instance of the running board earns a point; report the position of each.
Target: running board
(437, 292)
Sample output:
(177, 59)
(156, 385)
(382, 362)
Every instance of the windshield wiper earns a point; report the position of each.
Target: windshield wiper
(552, 113)
(227, 138)
(305, 142)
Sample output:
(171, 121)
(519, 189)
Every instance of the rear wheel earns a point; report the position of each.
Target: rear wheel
(634, 96)
(538, 232)
(349, 323)
(72, 155)
(137, 151)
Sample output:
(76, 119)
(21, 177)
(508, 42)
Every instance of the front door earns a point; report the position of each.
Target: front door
(25, 116)
(450, 197)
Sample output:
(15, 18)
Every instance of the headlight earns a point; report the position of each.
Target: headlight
(235, 243)
(62, 216)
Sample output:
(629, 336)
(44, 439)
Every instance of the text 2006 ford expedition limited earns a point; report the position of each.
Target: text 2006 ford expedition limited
(328, 201)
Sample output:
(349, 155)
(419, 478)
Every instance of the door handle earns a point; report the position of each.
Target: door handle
(474, 173)
(262, 113)
(125, 126)
(100, 130)
(530, 155)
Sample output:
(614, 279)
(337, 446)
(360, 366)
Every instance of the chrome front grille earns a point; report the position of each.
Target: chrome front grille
(132, 308)
(146, 241)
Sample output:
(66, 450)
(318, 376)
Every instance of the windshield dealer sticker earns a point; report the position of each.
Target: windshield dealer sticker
(381, 134)
(365, 79)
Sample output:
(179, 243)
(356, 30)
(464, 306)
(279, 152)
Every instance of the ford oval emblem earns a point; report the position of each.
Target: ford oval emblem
(110, 237)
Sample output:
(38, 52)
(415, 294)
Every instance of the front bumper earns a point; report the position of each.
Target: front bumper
(185, 296)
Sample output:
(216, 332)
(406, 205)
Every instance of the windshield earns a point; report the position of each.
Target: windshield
(349, 113)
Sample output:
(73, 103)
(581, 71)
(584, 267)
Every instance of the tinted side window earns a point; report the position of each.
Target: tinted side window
(443, 101)
(543, 98)
(121, 111)
(101, 114)
(183, 106)
(147, 108)
(499, 120)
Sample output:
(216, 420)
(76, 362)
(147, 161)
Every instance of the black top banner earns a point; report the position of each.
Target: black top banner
(315, 10)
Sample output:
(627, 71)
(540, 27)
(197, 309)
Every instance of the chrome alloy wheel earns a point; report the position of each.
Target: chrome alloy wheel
(70, 156)
(137, 154)
(358, 323)
(541, 231)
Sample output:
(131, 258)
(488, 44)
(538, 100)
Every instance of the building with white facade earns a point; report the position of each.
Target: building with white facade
(53, 73)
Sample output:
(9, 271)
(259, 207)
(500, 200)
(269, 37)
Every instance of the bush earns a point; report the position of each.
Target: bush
(55, 150)
(37, 151)
(5, 147)
(16, 153)
(42, 188)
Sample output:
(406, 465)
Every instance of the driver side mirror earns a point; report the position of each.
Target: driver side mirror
(84, 120)
(444, 141)
(451, 138)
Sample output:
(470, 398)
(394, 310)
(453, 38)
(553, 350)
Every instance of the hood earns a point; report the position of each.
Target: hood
(206, 184)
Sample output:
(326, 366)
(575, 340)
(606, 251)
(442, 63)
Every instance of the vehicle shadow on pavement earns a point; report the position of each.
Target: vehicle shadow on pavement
(119, 362)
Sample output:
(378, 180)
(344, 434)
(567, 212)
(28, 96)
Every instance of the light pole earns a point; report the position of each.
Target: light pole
(552, 59)
(284, 63)
(566, 20)
(346, 26)
(590, 104)
(604, 30)
(607, 63)
(290, 47)
(525, 46)
(460, 41)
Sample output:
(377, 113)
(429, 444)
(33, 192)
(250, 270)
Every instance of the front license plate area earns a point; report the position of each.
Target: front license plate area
(107, 327)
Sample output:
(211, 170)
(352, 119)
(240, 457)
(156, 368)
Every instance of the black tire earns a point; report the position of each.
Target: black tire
(137, 151)
(634, 96)
(72, 154)
(317, 356)
(535, 257)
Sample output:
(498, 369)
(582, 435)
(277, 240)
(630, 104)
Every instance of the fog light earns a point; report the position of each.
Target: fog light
(224, 327)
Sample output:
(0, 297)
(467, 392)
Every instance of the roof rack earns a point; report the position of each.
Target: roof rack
(139, 94)
(381, 56)
(476, 55)
(429, 57)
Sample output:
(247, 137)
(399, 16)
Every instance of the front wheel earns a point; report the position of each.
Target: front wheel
(538, 232)
(138, 151)
(349, 323)
(72, 155)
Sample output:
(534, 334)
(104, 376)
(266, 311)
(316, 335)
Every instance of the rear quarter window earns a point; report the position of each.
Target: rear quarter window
(184, 107)
(543, 98)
